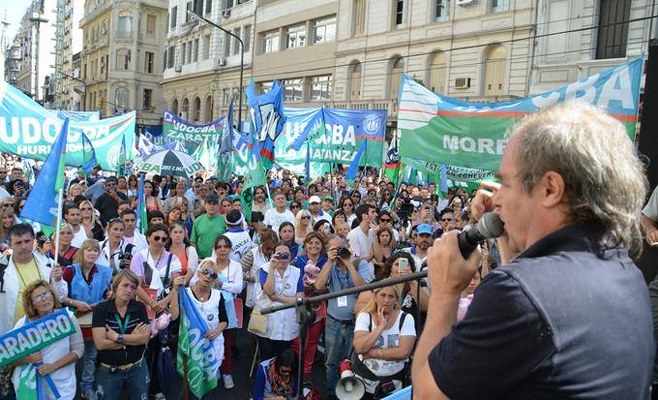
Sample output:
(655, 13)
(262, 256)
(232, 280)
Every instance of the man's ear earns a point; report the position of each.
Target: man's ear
(553, 189)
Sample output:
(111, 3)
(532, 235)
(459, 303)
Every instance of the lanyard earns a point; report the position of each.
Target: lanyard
(122, 326)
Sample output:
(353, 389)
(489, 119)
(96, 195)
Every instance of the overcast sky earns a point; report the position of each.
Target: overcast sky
(14, 10)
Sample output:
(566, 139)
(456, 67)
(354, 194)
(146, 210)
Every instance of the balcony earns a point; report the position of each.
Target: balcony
(391, 106)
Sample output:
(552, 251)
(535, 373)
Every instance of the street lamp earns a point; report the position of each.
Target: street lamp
(197, 17)
(84, 86)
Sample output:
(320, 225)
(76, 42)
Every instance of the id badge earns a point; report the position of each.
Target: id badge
(341, 301)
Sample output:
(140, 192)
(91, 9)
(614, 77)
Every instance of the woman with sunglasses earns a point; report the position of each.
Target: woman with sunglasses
(303, 226)
(66, 252)
(208, 301)
(295, 206)
(276, 378)
(133, 186)
(279, 283)
(121, 330)
(347, 207)
(56, 360)
(89, 220)
(287, 237)
(88, 283)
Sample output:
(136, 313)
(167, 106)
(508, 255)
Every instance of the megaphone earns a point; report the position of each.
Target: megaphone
(349, 386)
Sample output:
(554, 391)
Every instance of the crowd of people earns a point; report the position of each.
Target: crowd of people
(300, 239)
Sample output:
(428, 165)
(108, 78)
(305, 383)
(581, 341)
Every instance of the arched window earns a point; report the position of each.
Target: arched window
(124, 25)
(437, 73)
(123, 59)
(185, 109)
(174, 107)
(395, 76)
(495, 66)
(355, 81)
(121, 97)
(196, 117)
(208, 106)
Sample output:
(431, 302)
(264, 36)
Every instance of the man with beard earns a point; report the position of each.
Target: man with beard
(108, 202)
(259, 203)
(423, 243)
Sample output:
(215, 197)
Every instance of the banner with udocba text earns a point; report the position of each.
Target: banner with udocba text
(29, 130)
(191, 135)
(441, 129)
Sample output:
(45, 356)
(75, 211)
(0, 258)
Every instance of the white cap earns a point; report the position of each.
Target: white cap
(314, 199)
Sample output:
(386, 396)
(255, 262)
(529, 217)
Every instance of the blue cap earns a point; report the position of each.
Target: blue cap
(424, 229)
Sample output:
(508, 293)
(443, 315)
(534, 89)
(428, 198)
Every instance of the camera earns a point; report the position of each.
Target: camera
(344, 252)
(280, 256)
(124, 259)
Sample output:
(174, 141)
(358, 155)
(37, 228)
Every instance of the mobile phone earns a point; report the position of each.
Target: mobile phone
(403, 265)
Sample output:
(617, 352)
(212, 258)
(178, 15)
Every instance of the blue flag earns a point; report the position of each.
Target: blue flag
(266, 118)
(443, 178)
(41, 204)
(89, 155)
(313, 129)
(354, 165)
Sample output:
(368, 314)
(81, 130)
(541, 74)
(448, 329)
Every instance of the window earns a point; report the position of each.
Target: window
(246, 37)
(150, 26)
(123, 59)
(206, 48)
(441, 10)
(324, 30)
(196, 116)
(265, 86)
(227, 44)
(208, 109)
(613, 29)
(236, 44)
(198, 7)
(147, 99)
(208, 6)
(183, 53)
(121, 97)
(355, 81)
(195, 50)
(359, 17)
(494, 70)
(321, 87)
(271, 41)
(124, 26)
(173, 16)
(174, 107)
(397, 68)
(188, 8)
(149, 57)
(399, 12)
(229, 4)
(437, 71)
(189, 52)
(296, 36)
(292, 89)
(499, 5)
(171, 57)
(185, 109)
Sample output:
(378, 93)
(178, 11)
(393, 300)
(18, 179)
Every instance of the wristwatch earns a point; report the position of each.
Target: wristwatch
(120, 339)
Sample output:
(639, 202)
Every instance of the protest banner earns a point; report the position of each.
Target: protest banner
(29, 130)
(34, 336)
(191, 135)
(437, 128)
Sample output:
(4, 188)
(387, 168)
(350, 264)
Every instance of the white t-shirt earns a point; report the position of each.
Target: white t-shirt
(274, 218)
(389, 338)
(360, 243)
(79, 237)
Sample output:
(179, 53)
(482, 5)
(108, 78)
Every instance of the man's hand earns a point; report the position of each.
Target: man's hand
(56, 273)
(448, 272)
(652, 238)
(46, 369)
(482, 202)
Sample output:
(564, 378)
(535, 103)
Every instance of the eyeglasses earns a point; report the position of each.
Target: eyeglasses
(446, 219)
(384, 220)
(160, 238)
(295, 206)
(209, 272)
(306, 217)
(42, 296)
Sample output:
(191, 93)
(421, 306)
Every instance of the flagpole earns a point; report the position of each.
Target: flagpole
(58, 221)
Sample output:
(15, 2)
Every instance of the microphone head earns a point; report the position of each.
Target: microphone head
(490, 226)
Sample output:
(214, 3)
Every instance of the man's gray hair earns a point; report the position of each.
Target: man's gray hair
(604, 179)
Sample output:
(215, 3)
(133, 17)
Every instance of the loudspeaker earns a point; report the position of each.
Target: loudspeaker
(349, 386)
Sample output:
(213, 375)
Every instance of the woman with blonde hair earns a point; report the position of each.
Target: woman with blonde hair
(88, 284)
(66, 252)
(74, 191)
(384, 338)
(303, 226)
(7, 220)
(90, 221)
(56, 360)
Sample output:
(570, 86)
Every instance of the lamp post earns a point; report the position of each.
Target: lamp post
(84, 86)
(197, 17)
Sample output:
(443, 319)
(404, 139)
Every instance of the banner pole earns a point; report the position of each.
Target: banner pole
(58, 221)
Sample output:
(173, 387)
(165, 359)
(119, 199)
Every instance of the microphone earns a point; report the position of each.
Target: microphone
(490, 226)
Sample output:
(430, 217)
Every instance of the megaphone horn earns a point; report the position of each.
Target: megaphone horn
(349, 386)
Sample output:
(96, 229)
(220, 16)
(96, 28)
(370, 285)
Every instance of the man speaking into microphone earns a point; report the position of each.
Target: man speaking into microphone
(567, 315)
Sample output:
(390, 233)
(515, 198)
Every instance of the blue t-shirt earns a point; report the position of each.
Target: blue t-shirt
(341, 280)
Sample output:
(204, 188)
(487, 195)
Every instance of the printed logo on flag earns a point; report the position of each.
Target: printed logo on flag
(372, 124)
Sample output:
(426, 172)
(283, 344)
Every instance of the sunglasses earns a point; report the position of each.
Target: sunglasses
(85, 209)
(306, 217)
(295, 206)
(209, 272)
(384, 220)
(446, 219)
(42, 296)
(160, 238)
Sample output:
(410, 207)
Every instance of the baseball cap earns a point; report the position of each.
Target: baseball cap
(424, 229)
(314, 199)
(212, 198)
(331, 199)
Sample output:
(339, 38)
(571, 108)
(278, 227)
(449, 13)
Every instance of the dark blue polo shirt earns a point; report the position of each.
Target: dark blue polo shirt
(566, 319)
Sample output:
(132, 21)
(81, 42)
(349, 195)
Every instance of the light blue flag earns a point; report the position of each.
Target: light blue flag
(443, 178)
(354, 165)
(267, 119)
(314, 128)
(41, 204)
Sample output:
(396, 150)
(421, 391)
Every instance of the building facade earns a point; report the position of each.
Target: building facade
(203, 62)
(69, 88)
(122, 57)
